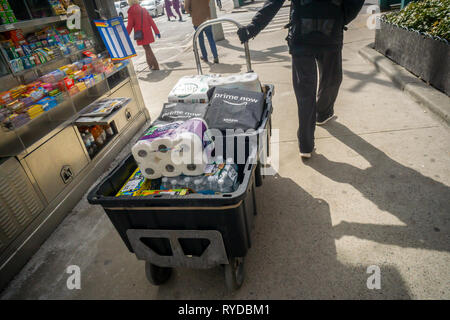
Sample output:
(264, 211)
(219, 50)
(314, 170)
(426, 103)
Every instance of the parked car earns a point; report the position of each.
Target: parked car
(154, 7)
(122, 9)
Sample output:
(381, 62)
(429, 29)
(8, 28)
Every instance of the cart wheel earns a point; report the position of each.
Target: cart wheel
(157, 275)
(258, 176)
(234, 274)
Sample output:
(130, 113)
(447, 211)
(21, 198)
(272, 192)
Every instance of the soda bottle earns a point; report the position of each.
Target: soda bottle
(109, 130)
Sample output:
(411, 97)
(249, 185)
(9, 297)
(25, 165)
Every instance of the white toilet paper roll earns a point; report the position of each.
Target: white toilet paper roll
(188, 150)
(161, 147)
(151, 168)
(193, 169)
(250, 81)
(216, 82)
(142, 151)
(232, 79)
(170, 169)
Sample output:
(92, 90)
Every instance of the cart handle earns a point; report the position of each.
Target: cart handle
(209, 23)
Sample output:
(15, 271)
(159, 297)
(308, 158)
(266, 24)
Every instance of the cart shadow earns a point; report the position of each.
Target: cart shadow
(293, 256)
(419, 202)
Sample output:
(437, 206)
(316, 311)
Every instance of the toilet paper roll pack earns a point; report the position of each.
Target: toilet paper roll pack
(190, 142)
(246, 81)
(157, 139)
(191, 89)
(173, 150)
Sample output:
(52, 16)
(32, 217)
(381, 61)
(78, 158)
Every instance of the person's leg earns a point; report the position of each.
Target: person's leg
(212, 42)
(201, 42)
(150, 57)
(304, 79)
(169, 11)
(330, 79)
(177, 11)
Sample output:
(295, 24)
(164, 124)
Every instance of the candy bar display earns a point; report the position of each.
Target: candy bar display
(48, 91)
(6, 13)
(27, 51)
(57, 7)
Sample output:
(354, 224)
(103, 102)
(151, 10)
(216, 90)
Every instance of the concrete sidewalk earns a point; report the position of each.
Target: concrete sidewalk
(375, 193)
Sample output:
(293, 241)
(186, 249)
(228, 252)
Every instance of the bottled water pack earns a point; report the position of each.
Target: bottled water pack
(219, 177)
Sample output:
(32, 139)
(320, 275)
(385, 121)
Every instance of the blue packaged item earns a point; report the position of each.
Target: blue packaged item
(87, 60)
(26, 63)
(26, 49)
(48, 103)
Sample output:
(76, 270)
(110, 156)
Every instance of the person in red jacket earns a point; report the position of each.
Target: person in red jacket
(140, 19)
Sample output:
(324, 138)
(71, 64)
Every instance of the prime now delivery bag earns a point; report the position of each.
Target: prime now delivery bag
(175, 111)
(234, 109)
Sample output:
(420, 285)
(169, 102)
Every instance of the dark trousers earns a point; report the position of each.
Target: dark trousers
(312, 102)
(150, 57)
(212, 43)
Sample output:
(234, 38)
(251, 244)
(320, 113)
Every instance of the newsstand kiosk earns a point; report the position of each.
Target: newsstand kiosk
(50, 153)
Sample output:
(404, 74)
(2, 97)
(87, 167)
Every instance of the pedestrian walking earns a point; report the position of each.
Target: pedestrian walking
(140, 20)
(200, 12)
(176, 7)
(315, 41)
(168, 6)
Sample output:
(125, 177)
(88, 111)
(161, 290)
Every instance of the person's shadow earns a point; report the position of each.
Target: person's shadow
(421, 203)
(293, 255)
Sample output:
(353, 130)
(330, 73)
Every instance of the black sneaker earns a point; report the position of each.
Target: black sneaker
(216, 60)
(204, 59)
(322, 120)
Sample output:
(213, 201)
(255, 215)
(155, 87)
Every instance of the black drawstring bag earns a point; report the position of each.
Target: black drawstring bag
(139, 34)
(234, 109)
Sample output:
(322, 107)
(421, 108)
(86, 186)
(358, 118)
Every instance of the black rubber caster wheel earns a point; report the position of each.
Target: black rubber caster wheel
(157, 275)
(234, 274)
(258, 176)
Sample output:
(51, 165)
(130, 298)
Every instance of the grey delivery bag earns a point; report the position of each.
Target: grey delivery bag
(234, 109)
(176, 111)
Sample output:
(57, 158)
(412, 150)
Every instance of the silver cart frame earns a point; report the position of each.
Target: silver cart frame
(210, 23)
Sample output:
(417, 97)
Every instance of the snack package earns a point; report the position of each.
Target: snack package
(172, 192)
(134, 184)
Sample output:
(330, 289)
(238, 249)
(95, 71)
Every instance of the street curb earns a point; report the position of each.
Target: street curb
(433, 99)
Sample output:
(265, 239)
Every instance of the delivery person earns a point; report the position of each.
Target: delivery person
(315, 40)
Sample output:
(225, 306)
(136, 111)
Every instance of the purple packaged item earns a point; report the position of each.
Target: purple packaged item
(195, 126)
(160, 131)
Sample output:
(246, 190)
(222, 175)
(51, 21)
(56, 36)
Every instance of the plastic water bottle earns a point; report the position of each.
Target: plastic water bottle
(198, 184)
(212, 183)
(229, 176)
(187, 183)
(219, 160)
(173, 183)
(165, 184)
(221, 186)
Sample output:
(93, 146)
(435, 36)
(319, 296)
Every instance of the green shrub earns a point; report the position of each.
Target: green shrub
(427, 16)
